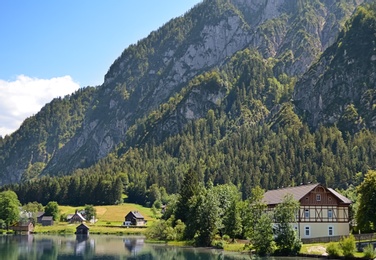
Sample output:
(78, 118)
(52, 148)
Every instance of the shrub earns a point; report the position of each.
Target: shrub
(226, 238)
(220, 244)
(348, 246)
(333, 249)
(369, 252)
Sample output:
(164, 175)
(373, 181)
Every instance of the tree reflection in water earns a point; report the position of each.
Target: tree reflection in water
(106, 247)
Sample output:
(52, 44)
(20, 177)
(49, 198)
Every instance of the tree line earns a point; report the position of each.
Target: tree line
(211, 215)
(72, 190)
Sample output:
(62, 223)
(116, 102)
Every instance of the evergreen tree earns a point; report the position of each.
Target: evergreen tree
(190, 187)
(232, 221)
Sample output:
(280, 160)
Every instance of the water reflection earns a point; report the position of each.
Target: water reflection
(99, 247)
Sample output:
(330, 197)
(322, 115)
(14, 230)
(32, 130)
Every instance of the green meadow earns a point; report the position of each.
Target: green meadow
(110, 219)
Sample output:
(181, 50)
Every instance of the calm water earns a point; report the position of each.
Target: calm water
(100, 247)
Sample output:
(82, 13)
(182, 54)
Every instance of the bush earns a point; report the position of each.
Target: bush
(333, 249)
(369, 252)
(348, 246)
(220, 244)
(226, 238)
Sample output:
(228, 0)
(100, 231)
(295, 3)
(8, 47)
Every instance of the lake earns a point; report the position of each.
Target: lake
(101, 247)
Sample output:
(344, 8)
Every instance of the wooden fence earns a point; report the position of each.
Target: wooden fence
(358, 237)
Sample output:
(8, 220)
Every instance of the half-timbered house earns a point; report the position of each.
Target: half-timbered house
(323, 211)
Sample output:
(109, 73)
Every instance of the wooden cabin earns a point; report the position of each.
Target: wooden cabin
(82, 230)
(134, 218)
(47, 221)
(23, 227)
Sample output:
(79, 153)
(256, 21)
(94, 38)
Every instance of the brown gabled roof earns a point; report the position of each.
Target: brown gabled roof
(342, 198)
(272, 197)
(136, 214)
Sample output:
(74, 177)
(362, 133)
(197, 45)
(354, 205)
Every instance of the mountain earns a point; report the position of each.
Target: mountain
(234, 61)
(341, 87)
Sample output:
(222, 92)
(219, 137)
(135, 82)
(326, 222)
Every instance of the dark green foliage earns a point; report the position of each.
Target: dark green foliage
(190, 187)
(232, 221)
(73, 190)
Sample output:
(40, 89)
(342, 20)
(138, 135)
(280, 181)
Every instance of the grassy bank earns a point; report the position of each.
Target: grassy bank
(319, 249)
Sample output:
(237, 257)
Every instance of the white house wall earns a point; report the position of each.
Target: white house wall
(322, 229)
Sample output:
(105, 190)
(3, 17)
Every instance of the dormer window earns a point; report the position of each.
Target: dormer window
(318, 197)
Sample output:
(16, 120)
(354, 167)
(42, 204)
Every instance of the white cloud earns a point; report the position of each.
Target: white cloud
(25, 96)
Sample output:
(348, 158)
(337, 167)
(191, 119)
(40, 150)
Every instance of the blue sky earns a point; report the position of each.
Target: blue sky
(65, 44)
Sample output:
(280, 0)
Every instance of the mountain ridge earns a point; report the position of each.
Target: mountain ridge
(148, 75)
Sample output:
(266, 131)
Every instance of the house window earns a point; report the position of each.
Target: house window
(330, 231)
(306, 213)
(307, 231)
(318, 197)
(330, 213)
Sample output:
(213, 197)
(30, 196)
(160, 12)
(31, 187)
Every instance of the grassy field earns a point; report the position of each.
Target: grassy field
(110, 218)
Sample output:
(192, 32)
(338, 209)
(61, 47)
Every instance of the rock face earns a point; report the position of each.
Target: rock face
(148, 74)
(340, 88)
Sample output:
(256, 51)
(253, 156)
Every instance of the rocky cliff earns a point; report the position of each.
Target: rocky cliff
(340, 88)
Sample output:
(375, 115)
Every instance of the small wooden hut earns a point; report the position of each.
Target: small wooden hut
(82, 229)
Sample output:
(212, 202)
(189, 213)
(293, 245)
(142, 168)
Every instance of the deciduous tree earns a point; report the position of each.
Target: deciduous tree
(9, 207)
(286, 238)
(52, 209)
(366, 216)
